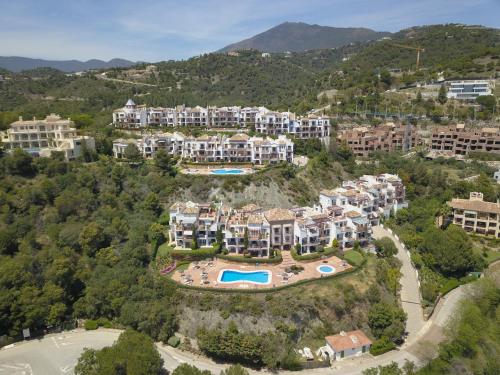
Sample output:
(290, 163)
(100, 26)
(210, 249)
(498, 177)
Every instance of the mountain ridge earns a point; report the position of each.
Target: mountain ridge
(19, 63)
(300, 36)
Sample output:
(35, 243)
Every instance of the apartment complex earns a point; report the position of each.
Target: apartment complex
(42, 137)
(389, 137)
(212, 149)
(263, 120)
(475, 215)
(459, 140)
(469, 90)
(345, 214)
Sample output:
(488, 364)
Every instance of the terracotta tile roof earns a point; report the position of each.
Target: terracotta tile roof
(239, 137)
(475, 205)
(256, 219)
(329, 193)
(279, 214)
(348, 340)
(352, 214)
(250, 208)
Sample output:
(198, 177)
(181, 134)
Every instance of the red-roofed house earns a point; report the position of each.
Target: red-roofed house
(347, 344)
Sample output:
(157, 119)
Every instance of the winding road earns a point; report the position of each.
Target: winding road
(58, 353)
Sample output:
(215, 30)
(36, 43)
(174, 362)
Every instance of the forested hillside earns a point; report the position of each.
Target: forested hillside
(299, 36)
(281, 81)
(458, 51)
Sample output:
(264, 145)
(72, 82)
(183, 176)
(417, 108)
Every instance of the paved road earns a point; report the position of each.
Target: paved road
(58, 353)
(410, 292)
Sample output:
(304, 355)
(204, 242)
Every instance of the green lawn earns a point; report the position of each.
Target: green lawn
(164, 249)
(492, 256)
(353, 257)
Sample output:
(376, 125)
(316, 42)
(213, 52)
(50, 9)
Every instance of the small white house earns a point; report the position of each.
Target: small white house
(347, 344)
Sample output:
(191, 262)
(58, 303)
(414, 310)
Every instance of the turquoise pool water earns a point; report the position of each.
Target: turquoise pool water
(326, 269)
(256, 277)
(227, 171)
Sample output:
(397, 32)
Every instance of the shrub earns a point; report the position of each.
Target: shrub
(449, 285)
(90, 325)
(208, 252)
(248, 259)
(321, 252)
(381, 346)
(174, 341)
(104, 322)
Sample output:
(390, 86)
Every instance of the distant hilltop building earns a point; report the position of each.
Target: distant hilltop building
(42, 137)
(345, 215)
(389, 137)
(263, 120)
(469, 90)
(212, 148)
(475, 215)
(457, 140)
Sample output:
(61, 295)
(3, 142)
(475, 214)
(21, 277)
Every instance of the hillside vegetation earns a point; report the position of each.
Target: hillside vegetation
(284, 82)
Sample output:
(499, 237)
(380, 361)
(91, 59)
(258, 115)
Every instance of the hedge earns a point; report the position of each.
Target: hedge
(328, 251)
(381, 346)
(241, 259)
(198, 254)
(90, 325)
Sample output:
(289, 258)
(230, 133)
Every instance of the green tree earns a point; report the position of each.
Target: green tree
(133, 353)
(92, 238)
(19, 162)
(164, 162)
(185, 369)
(234, 370)
(132, 153)
(442, 98)
(385, 247)
(386, 320)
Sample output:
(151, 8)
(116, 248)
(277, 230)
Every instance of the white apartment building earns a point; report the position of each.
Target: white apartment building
(263, 120)
(469, 90)
(212, 149)
(42, 137)
(345, 214)
(475, 215)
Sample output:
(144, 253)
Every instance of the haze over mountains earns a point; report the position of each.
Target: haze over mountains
(17, 64)
(299, 36)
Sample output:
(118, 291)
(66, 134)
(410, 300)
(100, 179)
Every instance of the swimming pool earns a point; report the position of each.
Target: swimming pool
(253, 277)
(325, 268)
(227, 171)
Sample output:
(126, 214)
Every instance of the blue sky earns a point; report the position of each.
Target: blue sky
(154, 30)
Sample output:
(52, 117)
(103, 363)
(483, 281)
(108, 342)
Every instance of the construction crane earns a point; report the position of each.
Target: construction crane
(418, 49)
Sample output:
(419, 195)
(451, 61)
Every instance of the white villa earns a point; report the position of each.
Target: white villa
(345, 215)
(41, 137)
(470, 89)
(346, 345)
(263, 120)
(212, 149)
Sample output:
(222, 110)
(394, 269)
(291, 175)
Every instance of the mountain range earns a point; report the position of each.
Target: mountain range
(299, 36)
(17, 64)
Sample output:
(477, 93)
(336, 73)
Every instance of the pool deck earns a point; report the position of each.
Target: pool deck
(279, 277)
(207, 170)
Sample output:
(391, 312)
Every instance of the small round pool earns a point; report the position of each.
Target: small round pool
(227, 171)
(326, 269)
